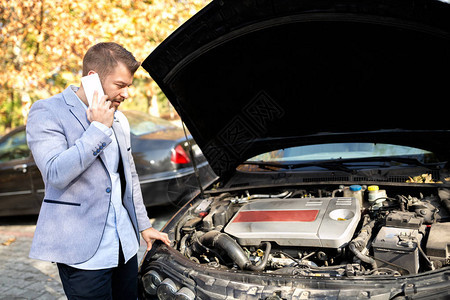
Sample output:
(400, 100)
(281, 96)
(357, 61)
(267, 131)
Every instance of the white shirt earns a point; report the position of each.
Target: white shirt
(118, 224)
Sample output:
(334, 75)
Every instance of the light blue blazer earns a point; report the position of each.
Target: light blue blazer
(68, 152)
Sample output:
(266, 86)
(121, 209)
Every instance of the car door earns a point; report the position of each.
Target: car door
(17, 167)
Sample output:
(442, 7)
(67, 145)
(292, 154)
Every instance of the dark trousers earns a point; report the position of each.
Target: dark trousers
(118, 283)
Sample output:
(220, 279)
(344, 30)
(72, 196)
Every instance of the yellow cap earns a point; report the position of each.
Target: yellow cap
(373, 188)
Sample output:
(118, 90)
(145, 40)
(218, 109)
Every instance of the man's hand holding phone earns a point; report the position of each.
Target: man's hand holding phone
(100, 110)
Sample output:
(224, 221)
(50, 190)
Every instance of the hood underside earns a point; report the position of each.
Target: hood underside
(248, 77)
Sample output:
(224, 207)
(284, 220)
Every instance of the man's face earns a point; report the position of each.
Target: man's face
(116, 85)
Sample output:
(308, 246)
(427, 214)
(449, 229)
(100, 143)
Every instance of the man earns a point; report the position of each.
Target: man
(93, 210)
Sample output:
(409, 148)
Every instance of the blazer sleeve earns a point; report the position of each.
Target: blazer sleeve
(60, 161)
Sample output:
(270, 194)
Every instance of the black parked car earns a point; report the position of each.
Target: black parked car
(326, 123)
(164, 162)
(160, 150)
(21, 185)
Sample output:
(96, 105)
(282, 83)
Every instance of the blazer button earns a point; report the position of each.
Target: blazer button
(108, 190)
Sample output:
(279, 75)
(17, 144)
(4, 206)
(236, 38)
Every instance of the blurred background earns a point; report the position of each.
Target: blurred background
(43, 43)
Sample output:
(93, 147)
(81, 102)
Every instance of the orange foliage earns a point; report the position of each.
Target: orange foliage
(43, 42)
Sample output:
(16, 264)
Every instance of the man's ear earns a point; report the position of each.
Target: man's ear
(91, 72)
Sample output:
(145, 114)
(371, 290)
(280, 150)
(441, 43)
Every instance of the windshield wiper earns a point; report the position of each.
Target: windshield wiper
(272, 166)
(335, 165)
(403, 160)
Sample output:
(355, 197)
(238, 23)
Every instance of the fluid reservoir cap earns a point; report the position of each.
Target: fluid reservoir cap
(373, 188)
(355, 188)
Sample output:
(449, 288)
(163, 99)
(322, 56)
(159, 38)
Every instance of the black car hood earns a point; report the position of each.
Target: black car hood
(247, 77)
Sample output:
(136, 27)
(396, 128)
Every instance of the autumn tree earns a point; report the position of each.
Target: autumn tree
(43, 43)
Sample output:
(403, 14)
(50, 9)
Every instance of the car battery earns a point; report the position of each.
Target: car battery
(398, 247)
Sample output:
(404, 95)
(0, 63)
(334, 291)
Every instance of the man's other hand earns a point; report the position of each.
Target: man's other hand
(151, 234)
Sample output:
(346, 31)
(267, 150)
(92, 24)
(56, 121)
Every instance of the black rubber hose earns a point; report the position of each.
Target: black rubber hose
(262, 264)
(217, 239)
(360, 242)
(361, 256)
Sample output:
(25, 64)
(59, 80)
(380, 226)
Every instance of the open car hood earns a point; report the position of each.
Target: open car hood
(248, 77)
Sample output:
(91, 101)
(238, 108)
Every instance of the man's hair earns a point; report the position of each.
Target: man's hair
(104, 57)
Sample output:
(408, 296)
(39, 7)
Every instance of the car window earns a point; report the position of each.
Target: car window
(14, 147)
(337, 151)
(141, 123)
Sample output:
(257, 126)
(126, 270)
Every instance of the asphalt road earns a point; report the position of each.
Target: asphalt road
(25, 278)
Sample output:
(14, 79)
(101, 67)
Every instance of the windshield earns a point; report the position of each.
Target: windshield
(142, 123)
(341, 151)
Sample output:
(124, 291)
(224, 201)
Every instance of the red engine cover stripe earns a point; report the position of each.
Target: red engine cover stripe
(276, 216)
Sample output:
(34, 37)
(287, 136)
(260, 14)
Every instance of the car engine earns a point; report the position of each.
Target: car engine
(310, 222)
(327, 231)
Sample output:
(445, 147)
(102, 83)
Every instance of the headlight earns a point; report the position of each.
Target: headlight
(151, 280)
(167, 289)
(185, 294)
(154, 284)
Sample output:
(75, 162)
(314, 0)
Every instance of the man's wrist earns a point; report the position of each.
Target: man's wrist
(102, 127)
(145, 228)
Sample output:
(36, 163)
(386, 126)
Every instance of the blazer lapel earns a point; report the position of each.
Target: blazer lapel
(120, 136)
(76, 107)
(124, 161)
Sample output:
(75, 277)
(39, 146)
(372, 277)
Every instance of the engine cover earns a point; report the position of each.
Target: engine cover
(306, 222)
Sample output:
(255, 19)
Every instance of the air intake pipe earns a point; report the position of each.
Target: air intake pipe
(223, 241)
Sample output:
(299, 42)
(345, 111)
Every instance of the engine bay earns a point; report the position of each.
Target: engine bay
(328, 231)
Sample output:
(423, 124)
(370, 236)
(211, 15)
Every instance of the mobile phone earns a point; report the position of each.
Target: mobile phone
(90, 84)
